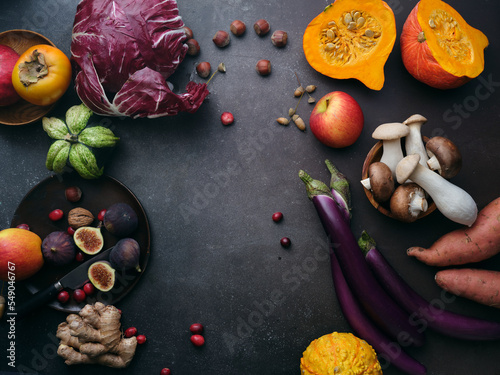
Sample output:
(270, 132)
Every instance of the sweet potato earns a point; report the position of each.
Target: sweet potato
(479, 285)
(465, 245)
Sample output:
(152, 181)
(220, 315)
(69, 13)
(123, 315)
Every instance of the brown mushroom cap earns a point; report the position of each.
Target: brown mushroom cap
(415, 118)
(381, 181)
(406, 167)
(391, 130)
(447, 154)
(401, 200)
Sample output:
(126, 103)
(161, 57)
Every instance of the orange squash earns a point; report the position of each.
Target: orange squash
(352, 39)
(439, 48)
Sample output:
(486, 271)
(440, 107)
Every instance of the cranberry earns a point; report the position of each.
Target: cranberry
(71, 231)
(277, 216)
(63, 296)
(227, 118)
(79, 257)
(285, 242)
(89, 289)
(197, 340)
(100, 215)
(56, 215)
(141, 339)
(129, 332)
(79, 295)
(23, 226)
(165, 371)
(196, 328)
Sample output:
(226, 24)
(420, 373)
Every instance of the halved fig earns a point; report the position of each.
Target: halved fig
(89, 239)
(102, 275)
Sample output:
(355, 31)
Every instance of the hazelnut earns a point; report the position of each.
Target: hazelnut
(73, 193)
(80, 217)
(263, 67)
(221, 38)
(238, 27)
(193, 47)
(261, 27)
(279, 38)
(188, 32)
(203, 69)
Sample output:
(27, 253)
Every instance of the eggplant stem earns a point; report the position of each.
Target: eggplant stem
(314, 187)
(339, 183)
(366, 242)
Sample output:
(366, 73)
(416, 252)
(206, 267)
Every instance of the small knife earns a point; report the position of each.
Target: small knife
(72, 280)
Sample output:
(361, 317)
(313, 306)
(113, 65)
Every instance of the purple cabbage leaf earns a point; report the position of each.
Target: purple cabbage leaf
(125, 50)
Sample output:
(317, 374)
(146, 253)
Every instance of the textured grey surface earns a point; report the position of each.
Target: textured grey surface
(209, 192)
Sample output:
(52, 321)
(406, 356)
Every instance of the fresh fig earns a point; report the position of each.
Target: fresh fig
(120, 219)
(102, 275)
(125, 255)
(58, 248)
(89, 239)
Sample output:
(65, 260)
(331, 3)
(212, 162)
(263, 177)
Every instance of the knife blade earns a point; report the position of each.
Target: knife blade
(72, 280)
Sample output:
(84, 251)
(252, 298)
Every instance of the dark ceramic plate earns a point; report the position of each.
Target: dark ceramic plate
(96, 195)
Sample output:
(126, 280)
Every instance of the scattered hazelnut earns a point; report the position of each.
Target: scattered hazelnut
(193, 47)
(221, 38)
(263, 67)
(188, 32)
(279, 38)
(73, 193)
(203, 69)
(238, 27)
(261, 27)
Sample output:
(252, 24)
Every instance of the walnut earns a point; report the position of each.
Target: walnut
(80, 217)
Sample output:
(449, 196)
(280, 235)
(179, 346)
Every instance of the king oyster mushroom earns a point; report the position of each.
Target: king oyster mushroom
(408, 202)
(379, 181)
(413, 141)
(453, 202)
(445, 158)
(390, 134)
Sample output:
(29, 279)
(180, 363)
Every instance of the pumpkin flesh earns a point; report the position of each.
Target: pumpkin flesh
(350, 39)
(439, 48)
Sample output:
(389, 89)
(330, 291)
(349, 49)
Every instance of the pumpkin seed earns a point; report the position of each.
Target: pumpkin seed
(331, 23)
(330, 34)
(347, 19)
(330, 46)
(369, 33)
(360, 22)
(432, 24)
(351, 26)
(356, 16)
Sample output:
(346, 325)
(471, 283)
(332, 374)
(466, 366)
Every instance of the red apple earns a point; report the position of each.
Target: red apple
(337, 120)
(8, 58)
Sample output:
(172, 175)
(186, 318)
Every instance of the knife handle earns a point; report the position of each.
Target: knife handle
(38, 300)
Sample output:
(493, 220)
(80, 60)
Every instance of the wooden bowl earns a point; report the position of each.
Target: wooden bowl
(22, 112)
(373, 156)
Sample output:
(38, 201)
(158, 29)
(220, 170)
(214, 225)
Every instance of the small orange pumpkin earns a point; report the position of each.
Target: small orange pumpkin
(439, 48)
(352, 39)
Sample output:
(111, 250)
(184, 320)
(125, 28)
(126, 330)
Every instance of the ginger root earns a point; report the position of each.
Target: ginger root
(94, 337)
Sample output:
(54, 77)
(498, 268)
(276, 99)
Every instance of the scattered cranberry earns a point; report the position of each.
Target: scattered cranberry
(79, 295)
(23, 226)
(227, 118)
(89, 289)
(71, 231)
(197, 340)
(56, 215)
(165, 371)
(63, 296)
(129, 332)
(285, 242)
(100, 215)
(277, 216)
(196, 328)
(79, 257)
(141, 339)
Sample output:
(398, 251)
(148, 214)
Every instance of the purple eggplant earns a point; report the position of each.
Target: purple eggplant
(423, 313)
(389, 352)
(374, 299)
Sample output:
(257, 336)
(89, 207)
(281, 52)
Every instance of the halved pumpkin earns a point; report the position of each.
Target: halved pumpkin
(439, 48)
(352, 39)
